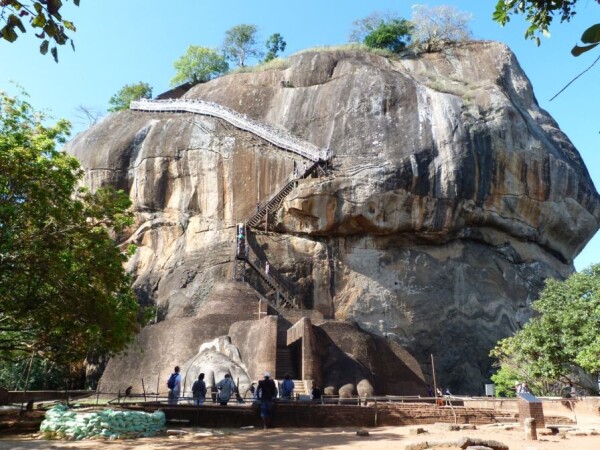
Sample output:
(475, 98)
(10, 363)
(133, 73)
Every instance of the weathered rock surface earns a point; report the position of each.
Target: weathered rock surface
(451, 197)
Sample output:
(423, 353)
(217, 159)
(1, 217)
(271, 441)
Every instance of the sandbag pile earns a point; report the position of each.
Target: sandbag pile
(64, 423)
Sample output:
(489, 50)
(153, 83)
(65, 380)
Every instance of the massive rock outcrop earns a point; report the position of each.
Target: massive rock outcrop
(451, 196)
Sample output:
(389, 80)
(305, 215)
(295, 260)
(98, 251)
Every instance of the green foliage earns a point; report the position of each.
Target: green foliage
(563, 339)
(435, 27)
(504, 381)
(44, 375)
(63, 291)
(43, 16)
(275, 44)
(540, 13)
(128, 93)
(240, 43)
(393, 35)
(198, 65)
(591, 36)
(362, 27)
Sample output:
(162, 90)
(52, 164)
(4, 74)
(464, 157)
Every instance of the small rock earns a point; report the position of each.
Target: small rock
(417, 446)
(417, 431)
(453, 427)
(472, 442)
(249, 427)
(362, 433)
(478, 447)
(203, 434)
(577, 433)
(176, 432)
(545, 432)
(468, 427)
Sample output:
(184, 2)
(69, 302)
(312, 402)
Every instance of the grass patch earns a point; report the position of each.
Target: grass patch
(352, 46)
(274, 64)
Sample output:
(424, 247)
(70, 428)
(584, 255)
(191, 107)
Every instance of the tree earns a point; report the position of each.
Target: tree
(563, 340)
(540, 14)
(198, 65)
(275, 44)
(434, 27)
(393, 35)
(362, 27)
(43, 16)
(127, 94)
(88, 115)
(63, 290)
(240, 44)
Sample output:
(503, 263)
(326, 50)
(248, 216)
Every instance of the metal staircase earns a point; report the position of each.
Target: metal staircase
(276, 136)
(280, 138)
(270, 207)
(282, 298)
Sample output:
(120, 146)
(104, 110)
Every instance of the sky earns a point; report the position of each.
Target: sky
(121, 42)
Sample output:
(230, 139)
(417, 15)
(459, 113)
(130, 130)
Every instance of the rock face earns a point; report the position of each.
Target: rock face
(451, 196)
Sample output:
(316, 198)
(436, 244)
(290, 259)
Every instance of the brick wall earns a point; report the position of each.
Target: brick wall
(311, 363)
(307, 414)
(533, 410)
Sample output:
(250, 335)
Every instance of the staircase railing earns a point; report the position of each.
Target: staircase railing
(273, 203)
(286, 299)
(276, 136)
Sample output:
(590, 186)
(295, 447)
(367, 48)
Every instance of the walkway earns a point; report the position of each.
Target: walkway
(276, 136)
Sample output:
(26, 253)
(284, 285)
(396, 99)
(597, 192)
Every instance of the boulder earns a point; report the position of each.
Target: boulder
(450, 198)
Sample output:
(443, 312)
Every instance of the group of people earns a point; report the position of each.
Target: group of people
(265, 393)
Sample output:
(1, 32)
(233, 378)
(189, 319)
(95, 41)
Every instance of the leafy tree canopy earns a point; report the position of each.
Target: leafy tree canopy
(563, 340)
(63, 291)
(241, 43)
(198, 65)
(44, 16)
(127, 94)
(393, 35)
(540, 14)
(275, 44)
(362, 27)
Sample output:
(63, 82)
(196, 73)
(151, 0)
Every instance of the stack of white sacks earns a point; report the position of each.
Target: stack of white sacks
(64, 423)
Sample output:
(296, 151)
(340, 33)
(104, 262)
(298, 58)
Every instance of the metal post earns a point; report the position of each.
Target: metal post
(434, 381)
(27, 381)
(266, 218)
(144, 389)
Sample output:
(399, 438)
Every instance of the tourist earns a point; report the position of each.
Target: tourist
(250, 392)
(226, 387)
(199, 390)
(266, 392)
(287, 387)
(315, 392)
(429, 391)
(174, 385)
(267, 267)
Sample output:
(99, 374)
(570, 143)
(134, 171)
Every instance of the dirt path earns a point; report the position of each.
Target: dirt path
(384, 438)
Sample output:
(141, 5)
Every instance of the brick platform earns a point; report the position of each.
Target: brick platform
(300, 414)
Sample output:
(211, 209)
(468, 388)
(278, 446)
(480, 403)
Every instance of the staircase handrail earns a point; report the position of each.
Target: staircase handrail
(269, 279)
(276, 136)
(267, 203)
(290, 179)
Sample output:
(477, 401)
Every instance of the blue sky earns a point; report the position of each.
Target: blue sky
(121, 42)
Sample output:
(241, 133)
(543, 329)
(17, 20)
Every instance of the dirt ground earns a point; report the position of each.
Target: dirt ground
(324, 438)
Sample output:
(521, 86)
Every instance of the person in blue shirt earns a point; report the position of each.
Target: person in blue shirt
(287, 387)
